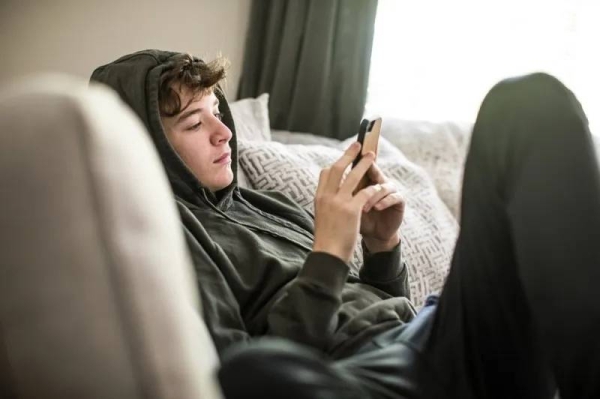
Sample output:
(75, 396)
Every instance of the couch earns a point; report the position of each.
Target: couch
(97, 292)
(98, 295)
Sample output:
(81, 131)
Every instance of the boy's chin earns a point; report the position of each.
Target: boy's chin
(224, 183)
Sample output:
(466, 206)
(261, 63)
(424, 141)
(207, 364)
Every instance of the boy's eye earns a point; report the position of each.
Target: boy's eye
(219, 116)
(195, 127)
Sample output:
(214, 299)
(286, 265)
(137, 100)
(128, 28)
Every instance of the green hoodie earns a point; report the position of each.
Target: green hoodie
(252, 250)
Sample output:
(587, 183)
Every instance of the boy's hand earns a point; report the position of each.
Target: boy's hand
(382, 214)
(337, 211)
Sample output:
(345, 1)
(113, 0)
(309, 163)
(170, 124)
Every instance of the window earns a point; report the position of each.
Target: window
(436, 60)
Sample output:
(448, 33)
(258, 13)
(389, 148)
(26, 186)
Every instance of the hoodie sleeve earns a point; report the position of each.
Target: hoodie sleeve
(308, 310)
(385, 271)
(305, 312)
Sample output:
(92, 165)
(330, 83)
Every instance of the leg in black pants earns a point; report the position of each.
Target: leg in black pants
(519, 307)
(518, 311)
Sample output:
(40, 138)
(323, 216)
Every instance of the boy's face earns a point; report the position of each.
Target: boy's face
(202, 140)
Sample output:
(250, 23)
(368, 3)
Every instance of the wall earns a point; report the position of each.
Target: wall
(75, 36)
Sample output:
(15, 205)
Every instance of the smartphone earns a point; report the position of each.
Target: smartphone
(368, 137)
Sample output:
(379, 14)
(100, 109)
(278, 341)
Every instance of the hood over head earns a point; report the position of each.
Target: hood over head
(136, 78)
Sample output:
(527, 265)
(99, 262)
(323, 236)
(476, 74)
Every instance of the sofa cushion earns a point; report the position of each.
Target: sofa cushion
(429, 230)
(98, 297)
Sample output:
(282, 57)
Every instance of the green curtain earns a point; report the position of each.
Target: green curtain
(312, 57)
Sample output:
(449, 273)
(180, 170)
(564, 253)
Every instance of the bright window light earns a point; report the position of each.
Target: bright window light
(436, 60)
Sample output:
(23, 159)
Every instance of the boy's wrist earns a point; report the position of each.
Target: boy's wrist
(375, 245)
(336, 250)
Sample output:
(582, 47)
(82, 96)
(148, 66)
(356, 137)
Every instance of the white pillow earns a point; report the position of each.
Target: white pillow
(251, 118)
(429, 230)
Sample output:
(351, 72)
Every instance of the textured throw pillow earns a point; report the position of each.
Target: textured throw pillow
(439, 148)
(428, 232)
(251, 118)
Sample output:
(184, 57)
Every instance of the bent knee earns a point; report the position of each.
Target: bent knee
(538, 85)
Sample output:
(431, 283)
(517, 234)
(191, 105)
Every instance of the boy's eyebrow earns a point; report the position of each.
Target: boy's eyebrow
(187, 114)
(194, 111)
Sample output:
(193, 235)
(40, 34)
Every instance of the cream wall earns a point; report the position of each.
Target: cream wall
(75, 36)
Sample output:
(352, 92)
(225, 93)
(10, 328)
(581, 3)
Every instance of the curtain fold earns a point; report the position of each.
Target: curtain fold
(312, 57)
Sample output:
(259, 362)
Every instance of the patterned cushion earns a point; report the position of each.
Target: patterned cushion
(429, 230)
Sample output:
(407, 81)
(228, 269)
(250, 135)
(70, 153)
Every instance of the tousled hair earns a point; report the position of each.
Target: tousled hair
(195, 75)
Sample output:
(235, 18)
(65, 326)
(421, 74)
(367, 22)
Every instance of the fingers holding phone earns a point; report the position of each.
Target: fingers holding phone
(383, 210)
(337, 210)
(341, 197)
(353, 181)
(383, 213)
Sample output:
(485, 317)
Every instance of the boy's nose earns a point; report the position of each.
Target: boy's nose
(221, 134)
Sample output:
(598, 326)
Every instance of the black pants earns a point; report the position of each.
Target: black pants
(518, 315)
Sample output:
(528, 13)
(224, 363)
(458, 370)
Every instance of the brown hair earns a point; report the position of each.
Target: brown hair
(196, 75)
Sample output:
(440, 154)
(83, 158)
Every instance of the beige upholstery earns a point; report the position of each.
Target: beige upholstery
(97, 295)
